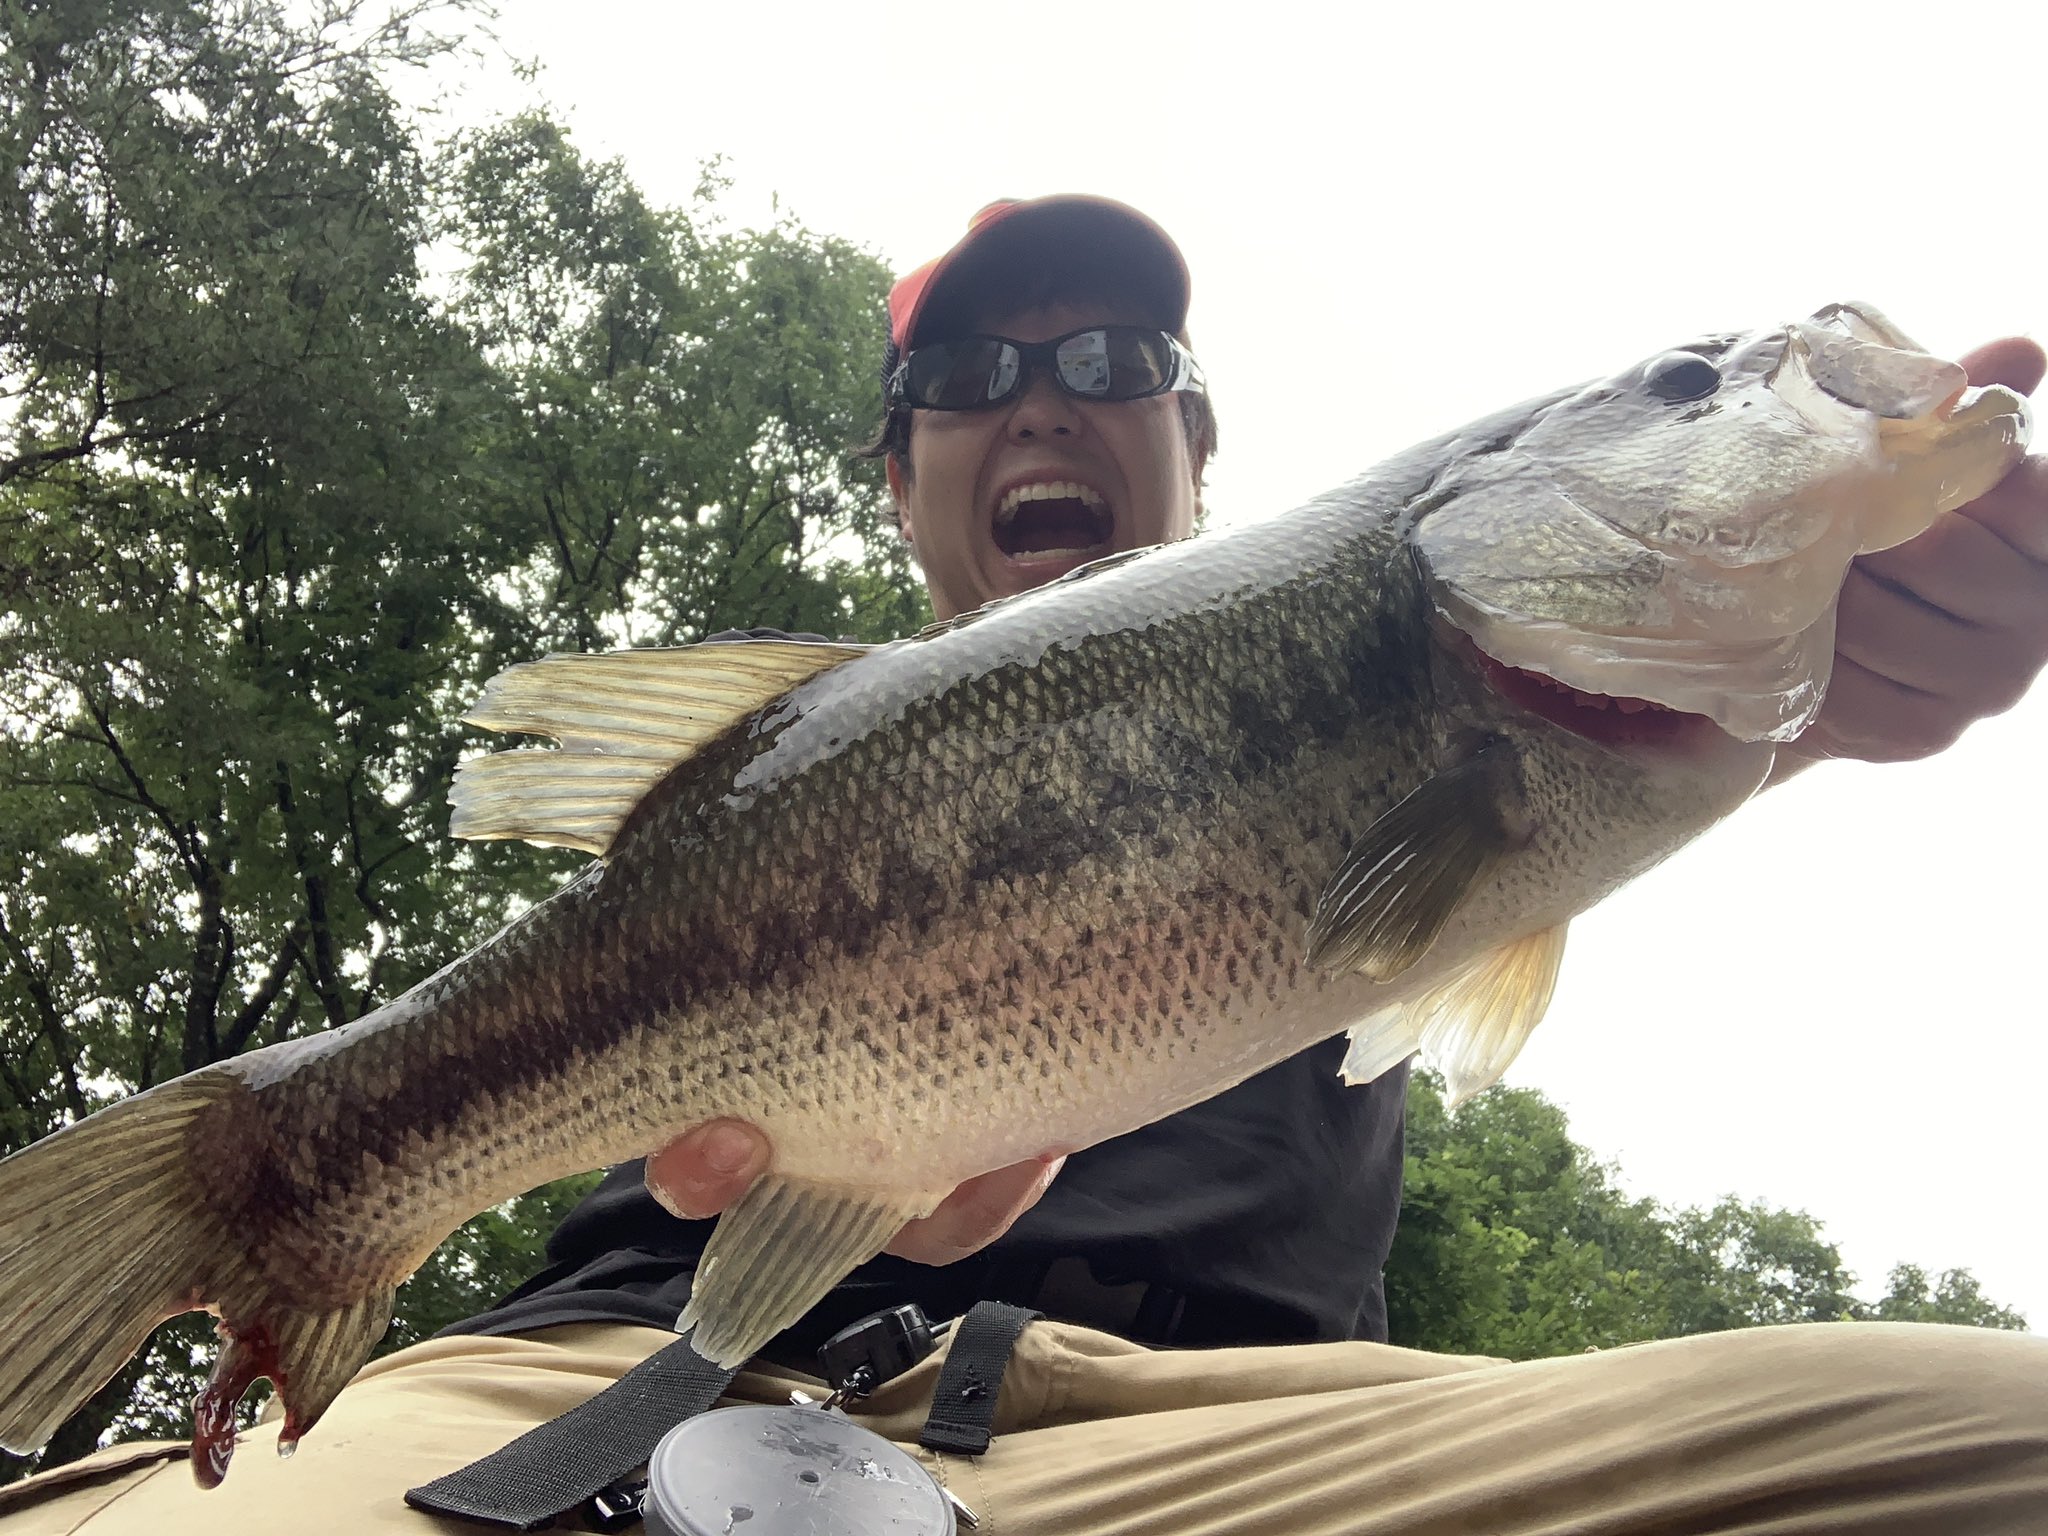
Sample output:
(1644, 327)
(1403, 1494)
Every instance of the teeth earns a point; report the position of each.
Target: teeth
(1048, 490)
(1594, 700)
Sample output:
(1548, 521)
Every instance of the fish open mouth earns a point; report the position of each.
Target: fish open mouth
(1679, 533)
(1604, 718)
(1056, 520)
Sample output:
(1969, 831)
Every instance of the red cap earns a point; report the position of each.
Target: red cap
(1008, 239)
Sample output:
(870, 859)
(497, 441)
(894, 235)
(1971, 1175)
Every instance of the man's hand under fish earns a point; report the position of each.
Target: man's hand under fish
(1933, 635)
(703, 1171)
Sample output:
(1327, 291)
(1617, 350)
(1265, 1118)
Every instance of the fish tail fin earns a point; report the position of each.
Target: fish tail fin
(100, 1241)
(776, 1252)
(105, 1232)
(309, 1354)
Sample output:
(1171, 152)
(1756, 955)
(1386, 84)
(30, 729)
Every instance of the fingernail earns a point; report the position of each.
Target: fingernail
(727, 1149)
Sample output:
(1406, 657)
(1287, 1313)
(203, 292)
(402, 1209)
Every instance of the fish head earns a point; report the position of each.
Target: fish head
(1677, 536)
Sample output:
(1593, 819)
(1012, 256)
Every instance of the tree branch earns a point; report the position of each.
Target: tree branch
(252, 1013)
(50, 1016)
(181, 836)
(321, 966)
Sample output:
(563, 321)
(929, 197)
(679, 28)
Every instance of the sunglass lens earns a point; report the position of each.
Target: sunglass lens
(1118, 362)
(1084, 364)
(1139, 362)
(958, 376)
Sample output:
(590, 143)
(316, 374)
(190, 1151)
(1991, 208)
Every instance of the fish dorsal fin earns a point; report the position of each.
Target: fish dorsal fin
(624, 720)
(1413, 867)
(1471, 1026)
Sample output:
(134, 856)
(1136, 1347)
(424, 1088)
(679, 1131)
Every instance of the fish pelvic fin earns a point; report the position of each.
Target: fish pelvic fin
(106, 1232)
(778, 1250)
(1407, 875)
(1469, 1027)
(625, 720)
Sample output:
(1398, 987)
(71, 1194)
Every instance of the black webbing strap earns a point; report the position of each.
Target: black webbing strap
(964, 1401)
(555, 1466)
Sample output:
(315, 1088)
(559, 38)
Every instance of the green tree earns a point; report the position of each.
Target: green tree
(679, 399)
(1745, 1265)
(1953, 1297)
(1516, 1241)
(272, 507)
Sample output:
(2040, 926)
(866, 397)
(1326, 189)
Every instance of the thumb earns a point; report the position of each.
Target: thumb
(708, 1167)
(2017, 362)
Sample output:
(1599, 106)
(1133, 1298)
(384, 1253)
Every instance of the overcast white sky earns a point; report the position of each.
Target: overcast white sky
(1400, 218)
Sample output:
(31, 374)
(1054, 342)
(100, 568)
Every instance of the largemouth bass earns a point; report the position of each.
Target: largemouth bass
(1036, 877)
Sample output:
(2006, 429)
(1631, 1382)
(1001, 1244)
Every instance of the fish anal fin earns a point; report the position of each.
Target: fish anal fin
(624, 720)
(1472, 1025)
(778, 1250)
(1412, 869)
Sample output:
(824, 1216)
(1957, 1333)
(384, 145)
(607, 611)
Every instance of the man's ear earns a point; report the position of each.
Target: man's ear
(899, 487)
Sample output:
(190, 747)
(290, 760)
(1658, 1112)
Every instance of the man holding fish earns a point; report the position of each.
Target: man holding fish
(1045, 412)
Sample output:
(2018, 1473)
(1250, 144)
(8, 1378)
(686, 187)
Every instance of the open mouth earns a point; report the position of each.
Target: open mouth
(1599, 717)
(1056, 520)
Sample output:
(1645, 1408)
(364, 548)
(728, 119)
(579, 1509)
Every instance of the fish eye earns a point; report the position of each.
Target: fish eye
(1680, 376)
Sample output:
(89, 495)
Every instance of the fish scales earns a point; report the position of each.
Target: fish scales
(1059, 869)
(785, 952)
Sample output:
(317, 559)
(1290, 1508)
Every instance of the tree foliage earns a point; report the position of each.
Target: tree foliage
(273, 505)
(1516, 1241)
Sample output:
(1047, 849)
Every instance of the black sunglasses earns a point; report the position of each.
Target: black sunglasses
(1103, 362)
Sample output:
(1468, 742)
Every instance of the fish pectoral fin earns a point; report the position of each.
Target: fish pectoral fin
(1399, 886)
(624, 719)
(1469, 1027)
(778, 1250)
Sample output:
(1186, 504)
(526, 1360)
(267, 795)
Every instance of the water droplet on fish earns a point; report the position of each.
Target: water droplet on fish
(287, 1448)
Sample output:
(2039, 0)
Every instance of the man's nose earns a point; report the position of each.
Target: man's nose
(1043, 409)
